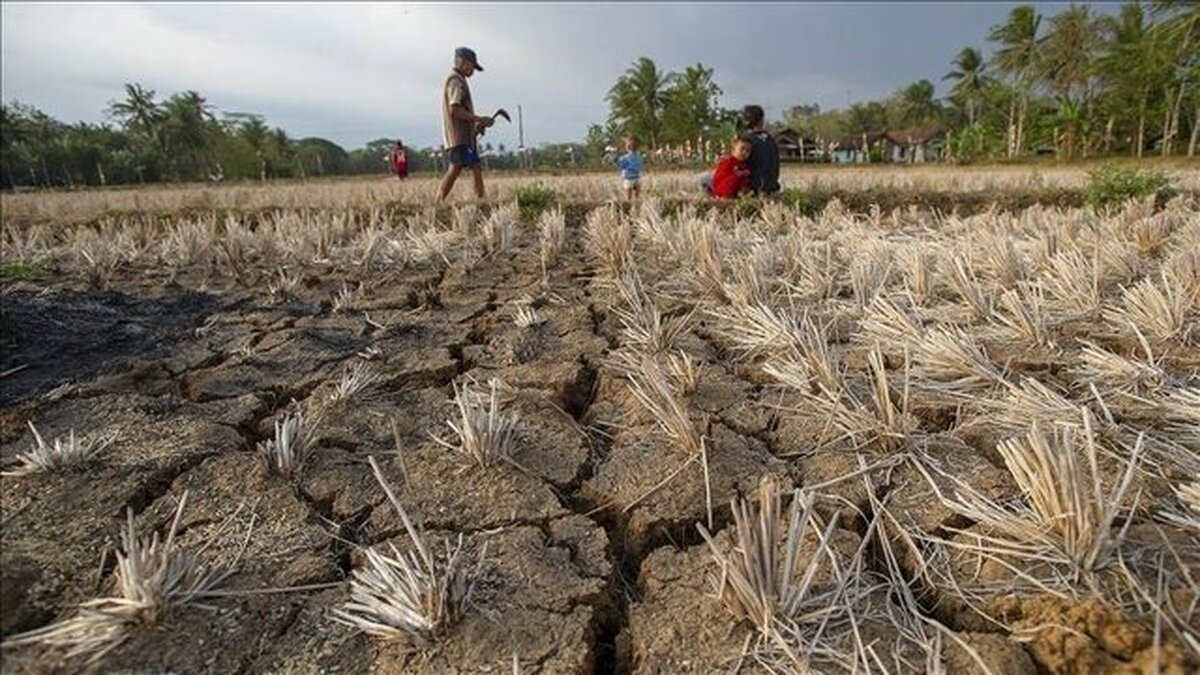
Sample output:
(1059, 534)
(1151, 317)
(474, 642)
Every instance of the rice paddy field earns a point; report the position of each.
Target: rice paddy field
(924, 420)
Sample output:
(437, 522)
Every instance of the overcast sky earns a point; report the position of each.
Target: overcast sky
(356, 72)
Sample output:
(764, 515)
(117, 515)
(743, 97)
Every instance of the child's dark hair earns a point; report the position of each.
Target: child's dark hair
(632, 140)
(752, 116)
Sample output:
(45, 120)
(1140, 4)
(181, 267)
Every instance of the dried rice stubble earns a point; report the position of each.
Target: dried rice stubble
(412, 597)
(152, 578)
(1064, 536)
(806, 595)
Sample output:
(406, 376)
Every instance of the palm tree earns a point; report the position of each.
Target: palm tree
(1179, 30)
(142, 117)
(1017, 57)
(969, 80)
(1133, 66)
(918, 103)
(690, 108)
(636, 100)
(139, 112)
(282, 147)
(186, 128)
(1069, 65)
(255, 132)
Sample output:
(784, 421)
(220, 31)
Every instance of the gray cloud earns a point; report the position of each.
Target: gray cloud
(352, 73)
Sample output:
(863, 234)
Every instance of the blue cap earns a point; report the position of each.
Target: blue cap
(468, 54)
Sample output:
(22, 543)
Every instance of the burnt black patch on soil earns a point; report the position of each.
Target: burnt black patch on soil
(61, 336)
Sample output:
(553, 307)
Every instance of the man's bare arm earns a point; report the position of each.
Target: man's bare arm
(458, 112)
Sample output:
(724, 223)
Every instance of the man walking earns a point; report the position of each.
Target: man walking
(764, 153)
(460, 125)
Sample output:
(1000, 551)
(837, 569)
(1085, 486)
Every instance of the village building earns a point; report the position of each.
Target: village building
(794, 147)
(915, 145)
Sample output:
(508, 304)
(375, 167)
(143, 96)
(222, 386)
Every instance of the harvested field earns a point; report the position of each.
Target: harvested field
(373, 436)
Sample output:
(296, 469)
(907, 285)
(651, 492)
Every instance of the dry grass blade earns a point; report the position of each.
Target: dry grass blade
(1159, 310)
(644, 325)
(702, 255)
(684, 372)
(345, 299)
(1073, 284)
(868, 276)
(1028, 401)
(877, 421)
(414, 596)
(552, 226)
(526, 317)
(756, 328)
(997, 256)
(886, 324)
(649, 384)
(1023, 314)
(757, 580)
(484, 434)
(286, 452)
(1066, 517)
(498, 228)
(1181, 411)
(920, 271)
(608, 237)
(965, 283)
(1187, 515)
(63, 454)
(806, 359)
(355, 380)
(1114, 374)
(152, 577)
(948, 361)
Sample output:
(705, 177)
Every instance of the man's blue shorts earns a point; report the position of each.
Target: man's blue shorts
(462, 155)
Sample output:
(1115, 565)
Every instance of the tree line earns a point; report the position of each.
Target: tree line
(179, 138)
(1075, 84)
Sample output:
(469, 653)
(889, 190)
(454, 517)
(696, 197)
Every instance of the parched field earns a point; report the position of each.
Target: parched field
(942, 421)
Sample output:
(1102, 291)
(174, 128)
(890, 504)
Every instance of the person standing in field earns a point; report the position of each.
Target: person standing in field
(400, 160)
(460, 124)
(764, 152)
(630, 165)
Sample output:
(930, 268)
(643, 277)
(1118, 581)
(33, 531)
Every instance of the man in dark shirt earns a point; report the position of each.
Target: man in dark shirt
(764, 153)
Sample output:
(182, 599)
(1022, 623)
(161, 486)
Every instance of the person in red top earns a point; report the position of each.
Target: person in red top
(732, 175)
(400, 161)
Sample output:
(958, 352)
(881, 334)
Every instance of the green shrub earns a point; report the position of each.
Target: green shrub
(22, 269)
(797, 198)
(746, 206)
(1114, 185)
(533, 199)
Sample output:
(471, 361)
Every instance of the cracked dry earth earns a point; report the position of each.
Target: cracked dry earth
(188, 377)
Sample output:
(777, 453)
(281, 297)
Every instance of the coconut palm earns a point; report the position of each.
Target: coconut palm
(636, 100)
(1179, 29)
(1069, 66)
(690, 108)
(1134, 67)
(186, 131)
(139, 112)
(969, 80)
(1016, 58)
(918, 103)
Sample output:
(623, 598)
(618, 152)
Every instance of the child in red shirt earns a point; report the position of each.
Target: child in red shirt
(732, 175)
